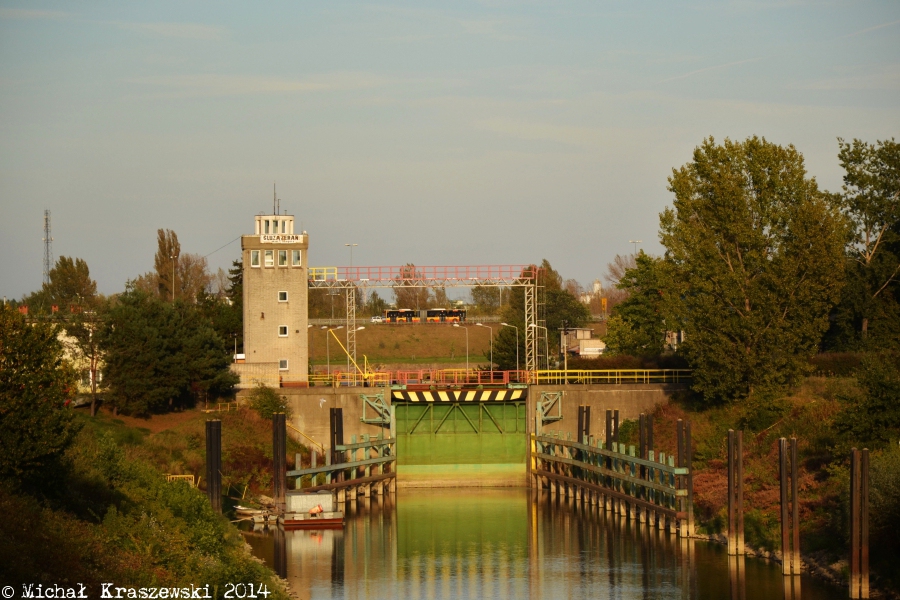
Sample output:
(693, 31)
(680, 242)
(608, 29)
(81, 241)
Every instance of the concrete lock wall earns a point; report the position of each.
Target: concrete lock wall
(310, 414)
(629, 399)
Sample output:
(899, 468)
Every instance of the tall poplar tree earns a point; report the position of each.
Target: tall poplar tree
(754, 262)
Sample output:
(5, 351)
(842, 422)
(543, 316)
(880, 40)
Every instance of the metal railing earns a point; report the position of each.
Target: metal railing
(451, 377)
(612, 376)
(648, 489)
(358, 463)
(187, 478)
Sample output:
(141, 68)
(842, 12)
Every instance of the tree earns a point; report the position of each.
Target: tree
(559, 306)
(83, 327)
(615, 271)
(70, 281)
(753, 265)
(376, 305)
(869, 312)
(637, 326)
(872, 418)
(167, 252)
(36, 425)
(159, 355)
(486, 299)
(410, 291)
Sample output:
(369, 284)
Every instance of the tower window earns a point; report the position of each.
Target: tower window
(282, 258)
(282, 331)
(254, 258)
(270, 258)
(283, 364)
(284, 227)
(282, 296)
(295, 258)
(267, 226)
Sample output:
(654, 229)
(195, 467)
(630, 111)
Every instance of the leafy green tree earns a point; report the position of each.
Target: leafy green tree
(226, 314)
(754, 262)
(70, 283)
(869, 312)
(872, 418)
(83, 327)
(559, 307)
(160, 356)
(376, 305)
(36, 425)
(266, 401)
(638, 326)
(486, 299)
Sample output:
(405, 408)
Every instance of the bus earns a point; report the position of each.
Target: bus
(431, 315)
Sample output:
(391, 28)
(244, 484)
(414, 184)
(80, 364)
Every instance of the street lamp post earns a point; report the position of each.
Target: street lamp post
(635, 242)
(467, 347)
(517, 342)
(492, 343)
(546, 352)
(351, 246)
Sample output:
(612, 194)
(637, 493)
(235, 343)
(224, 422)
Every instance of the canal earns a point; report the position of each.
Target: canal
(506, 543)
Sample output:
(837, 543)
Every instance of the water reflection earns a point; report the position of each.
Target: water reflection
(510, 543)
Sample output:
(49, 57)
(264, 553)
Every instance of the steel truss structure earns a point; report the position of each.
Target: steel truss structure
(528, 277)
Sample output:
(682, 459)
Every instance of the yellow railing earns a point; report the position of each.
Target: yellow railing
(613, 376)
(323, 273)
(188, 478)
(314, 442)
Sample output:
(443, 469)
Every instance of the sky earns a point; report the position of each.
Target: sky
(443, 133)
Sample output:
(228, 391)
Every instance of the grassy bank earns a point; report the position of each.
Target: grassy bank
(110, 516)
(406, 343)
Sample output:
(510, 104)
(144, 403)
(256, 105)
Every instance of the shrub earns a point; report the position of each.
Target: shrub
(266, 401)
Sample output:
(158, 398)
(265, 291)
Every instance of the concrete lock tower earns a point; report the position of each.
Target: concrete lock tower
(275, 303)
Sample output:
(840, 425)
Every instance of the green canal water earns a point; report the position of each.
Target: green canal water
(507, 543)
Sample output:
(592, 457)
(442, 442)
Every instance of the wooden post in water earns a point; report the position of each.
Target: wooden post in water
(790, 523)
(689, 463)
(336, 436)
(279, 448)
(214, 463)
(859, 523)
(735, 492)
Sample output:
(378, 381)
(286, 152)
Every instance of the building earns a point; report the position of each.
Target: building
(276, 350)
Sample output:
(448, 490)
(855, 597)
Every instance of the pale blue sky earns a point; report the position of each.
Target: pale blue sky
(443, 133)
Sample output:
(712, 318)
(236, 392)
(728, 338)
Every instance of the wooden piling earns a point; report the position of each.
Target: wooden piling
(214, 463)
(279, 466)
(859, 523)
(790, 522)
(735, 492)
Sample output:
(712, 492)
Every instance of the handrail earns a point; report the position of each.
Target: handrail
(477, 377)
(607, 376)
(321, 447)
(347, 472)
(650, 484)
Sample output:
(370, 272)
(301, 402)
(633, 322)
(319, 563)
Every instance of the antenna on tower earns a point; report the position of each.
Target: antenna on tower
(48, 247)
(273, 198)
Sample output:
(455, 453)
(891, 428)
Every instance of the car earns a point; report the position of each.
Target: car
(378, 319)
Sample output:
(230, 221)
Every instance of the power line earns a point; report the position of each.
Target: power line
(220, 247)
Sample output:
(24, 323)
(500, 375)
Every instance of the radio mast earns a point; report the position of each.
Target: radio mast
(48, 247)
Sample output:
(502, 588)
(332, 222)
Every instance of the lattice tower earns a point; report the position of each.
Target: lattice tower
(48, 248)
